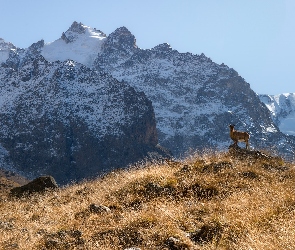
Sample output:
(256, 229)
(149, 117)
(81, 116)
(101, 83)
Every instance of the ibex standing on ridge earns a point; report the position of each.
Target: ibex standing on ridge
(237, 136)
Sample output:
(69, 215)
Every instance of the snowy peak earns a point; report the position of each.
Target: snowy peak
(77, 29)
(282, 108)
(80, 43)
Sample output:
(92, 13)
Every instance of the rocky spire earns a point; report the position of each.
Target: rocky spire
(6, 45)
(75, 29)
(121, 38)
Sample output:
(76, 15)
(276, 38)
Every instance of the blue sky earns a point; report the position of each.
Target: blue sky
(255, 37)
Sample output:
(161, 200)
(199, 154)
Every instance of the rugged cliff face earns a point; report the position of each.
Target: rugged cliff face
(66, 120)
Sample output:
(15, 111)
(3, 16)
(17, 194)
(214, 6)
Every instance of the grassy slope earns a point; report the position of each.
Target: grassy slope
(213, 201)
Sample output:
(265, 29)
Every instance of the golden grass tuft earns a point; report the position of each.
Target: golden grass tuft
(212, 201)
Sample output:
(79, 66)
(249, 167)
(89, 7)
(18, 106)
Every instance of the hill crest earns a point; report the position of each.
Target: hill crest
(206, 201)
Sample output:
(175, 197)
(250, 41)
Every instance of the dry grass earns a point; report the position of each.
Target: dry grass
(215, 201)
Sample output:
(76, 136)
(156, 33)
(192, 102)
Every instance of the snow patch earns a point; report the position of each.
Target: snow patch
(83, 49)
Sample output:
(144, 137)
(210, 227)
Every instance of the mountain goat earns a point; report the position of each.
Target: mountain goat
(237, 136)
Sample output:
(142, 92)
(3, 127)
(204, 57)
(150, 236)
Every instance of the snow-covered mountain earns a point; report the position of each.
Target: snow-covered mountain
(194, 98)
(282, 108)
(79, 43)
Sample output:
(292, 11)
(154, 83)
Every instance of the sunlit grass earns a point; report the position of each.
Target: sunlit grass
(210, 201)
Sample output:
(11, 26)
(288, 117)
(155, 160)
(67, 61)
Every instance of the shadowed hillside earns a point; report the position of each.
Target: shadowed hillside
(235, 200)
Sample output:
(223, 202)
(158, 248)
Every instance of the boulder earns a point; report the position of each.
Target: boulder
(38, 185)
(97, 209)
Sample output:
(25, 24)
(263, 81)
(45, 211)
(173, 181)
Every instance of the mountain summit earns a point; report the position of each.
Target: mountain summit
(5, 48)
(77, 29)
(79, 43)
(121, 39)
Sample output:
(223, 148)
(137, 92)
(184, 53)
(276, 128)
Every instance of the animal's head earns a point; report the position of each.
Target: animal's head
(231, 126)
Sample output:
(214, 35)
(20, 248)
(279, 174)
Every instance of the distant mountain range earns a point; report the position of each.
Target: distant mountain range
(88, 102)
(282, 108)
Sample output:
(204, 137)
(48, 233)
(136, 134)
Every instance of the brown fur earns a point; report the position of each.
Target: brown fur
(237, 136)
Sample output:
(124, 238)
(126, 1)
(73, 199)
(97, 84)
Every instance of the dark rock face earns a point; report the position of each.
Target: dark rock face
(121, 39)
(71, 122)
(118, 47)
(38, 185)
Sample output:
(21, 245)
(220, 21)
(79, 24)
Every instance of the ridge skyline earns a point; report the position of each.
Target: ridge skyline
(260, 48)
(100, 35)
